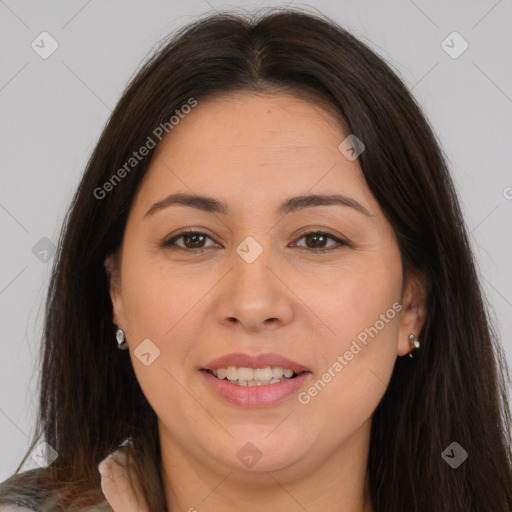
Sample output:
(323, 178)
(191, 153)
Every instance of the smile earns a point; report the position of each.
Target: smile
(243, 376)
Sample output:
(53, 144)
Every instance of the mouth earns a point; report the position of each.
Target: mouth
(242, 376)
(255, 381)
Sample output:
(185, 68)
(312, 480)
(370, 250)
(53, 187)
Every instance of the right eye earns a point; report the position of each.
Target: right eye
(192, 241)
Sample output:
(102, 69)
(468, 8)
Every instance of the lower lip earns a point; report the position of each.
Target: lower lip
(255, 396)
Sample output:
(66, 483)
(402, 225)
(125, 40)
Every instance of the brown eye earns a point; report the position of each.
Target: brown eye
(192, 240)
(316, 240)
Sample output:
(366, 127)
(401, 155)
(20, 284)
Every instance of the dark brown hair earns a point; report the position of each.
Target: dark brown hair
(455, 388)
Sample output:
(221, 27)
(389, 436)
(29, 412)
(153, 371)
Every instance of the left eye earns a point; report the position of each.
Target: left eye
(193, 239)
(319, 238)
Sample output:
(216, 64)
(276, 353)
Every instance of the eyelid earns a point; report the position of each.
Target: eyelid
(321, 231)
(171, 241)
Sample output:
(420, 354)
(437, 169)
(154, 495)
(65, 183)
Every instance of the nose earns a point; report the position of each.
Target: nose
(254, 296)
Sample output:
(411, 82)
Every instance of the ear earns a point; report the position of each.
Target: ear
(113, 269)
(414, 311)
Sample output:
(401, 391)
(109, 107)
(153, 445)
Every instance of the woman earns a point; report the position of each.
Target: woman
(268, 225)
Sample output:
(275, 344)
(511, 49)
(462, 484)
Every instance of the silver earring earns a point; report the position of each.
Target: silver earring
(414, 342)
(121, 340)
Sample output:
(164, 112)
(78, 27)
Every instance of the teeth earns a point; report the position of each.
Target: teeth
(244, 373)
(231, 373)
(262, 373)
(253, 377)
(277, 372)
(255, 382)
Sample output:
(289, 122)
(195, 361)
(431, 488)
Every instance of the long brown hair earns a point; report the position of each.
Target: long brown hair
(453, 390)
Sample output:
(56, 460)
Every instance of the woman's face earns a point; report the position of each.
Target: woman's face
(253, 290)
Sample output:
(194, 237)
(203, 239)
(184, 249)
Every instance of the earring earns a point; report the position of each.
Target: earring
(414, 342)
(121, 340)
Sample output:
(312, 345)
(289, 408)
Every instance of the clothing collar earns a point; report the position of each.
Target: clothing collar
(120, 484)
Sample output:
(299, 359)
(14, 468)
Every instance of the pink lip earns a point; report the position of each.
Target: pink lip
(255, 396)
(260, 361)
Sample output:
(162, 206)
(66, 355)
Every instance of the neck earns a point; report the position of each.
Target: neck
(335, 481)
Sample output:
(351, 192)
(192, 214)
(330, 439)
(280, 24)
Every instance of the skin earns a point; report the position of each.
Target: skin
(253, 151)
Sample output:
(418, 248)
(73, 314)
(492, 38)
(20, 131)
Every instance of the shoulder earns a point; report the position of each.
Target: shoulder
(15, 508)
(22, 492)
(30, 491)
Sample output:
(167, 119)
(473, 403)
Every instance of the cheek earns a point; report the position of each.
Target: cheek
(361, 309)
(361, 297)
(344, 393)
(157, 303)
(161, 308)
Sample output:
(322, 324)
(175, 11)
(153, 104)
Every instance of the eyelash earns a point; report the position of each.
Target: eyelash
(171, 242)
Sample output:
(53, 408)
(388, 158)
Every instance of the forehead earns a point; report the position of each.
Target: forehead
(241, 121)
(253, 145)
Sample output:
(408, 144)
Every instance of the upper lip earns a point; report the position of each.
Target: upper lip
(242, 360)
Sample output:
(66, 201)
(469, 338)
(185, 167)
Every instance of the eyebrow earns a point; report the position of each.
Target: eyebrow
(292, 205)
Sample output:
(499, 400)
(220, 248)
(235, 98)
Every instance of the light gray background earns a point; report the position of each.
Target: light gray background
(53, 110)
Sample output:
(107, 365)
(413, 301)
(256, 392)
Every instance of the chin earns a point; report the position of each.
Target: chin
(259, 450)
